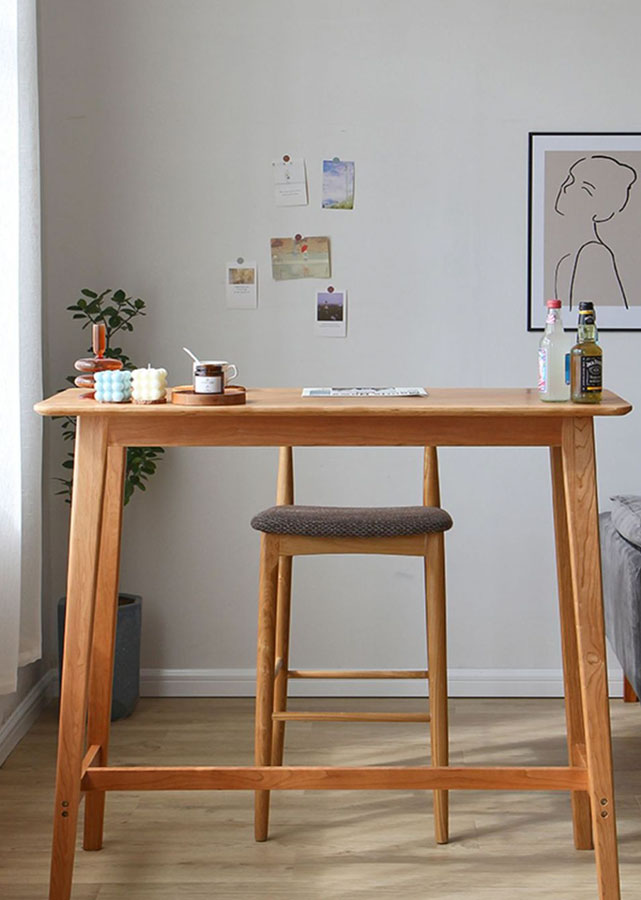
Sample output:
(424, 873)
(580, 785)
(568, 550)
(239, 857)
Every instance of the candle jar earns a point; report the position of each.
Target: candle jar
(113, 386)
(209, 378)
(149, 385)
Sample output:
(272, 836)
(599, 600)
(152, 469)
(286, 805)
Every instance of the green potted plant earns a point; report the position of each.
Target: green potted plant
(117, 310)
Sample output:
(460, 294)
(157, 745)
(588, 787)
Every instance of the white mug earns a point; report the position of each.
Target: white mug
(227, 367)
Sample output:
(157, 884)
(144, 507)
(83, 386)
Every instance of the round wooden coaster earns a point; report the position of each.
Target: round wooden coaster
(184, 396)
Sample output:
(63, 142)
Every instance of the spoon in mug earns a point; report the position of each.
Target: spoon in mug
(188, 351)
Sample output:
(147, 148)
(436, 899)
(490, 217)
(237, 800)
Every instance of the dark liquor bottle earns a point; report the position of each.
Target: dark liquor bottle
(586, 359)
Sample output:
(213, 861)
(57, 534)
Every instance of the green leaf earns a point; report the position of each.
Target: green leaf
(88, 293)
(119, 296)
(67, 464)
(139, 304)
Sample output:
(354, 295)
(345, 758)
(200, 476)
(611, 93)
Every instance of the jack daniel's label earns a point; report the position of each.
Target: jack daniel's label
(591, 374)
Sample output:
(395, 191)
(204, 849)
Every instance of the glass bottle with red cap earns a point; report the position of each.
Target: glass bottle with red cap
(554, 348)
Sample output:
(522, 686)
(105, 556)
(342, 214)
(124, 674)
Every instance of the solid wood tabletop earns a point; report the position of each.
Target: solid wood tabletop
(288, 401)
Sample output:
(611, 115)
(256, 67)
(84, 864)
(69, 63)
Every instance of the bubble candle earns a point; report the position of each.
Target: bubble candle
(149, 385)
(112, 386)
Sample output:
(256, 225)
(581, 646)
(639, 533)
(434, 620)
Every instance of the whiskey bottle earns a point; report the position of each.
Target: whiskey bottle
(586, 359)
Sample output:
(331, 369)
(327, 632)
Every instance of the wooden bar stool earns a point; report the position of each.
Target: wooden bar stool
(290, 530)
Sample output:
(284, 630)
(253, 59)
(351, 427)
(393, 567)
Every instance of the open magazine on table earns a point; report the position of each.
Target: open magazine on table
(364, 392)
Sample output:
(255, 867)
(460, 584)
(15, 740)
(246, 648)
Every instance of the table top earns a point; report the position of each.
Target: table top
(502, 402)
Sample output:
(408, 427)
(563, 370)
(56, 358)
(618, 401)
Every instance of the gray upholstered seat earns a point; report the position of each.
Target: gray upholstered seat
(355, 521)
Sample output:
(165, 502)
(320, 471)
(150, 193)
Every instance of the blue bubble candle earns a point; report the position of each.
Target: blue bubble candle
(113, 386)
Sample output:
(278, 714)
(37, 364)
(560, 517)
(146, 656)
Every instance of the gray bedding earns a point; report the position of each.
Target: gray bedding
(621, 563)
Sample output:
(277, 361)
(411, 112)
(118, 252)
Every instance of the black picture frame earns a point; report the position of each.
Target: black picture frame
(595, 151)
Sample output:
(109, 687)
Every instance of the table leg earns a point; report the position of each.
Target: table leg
(86, 510)
(267, 590)
(581, 816)
(579, 474)
(104, 637)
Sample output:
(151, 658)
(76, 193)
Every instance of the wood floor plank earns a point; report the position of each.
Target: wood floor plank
(324, 845)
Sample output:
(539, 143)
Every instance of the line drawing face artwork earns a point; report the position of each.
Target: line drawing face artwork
(596, 188)
(584, 227)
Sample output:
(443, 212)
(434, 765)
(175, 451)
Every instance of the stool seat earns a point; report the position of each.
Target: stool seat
(352, 521)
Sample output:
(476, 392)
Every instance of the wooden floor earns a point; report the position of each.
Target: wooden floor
(324, 845)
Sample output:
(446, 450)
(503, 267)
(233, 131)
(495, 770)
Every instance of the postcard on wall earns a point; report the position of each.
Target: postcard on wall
(585, 221)
(300, 257)
(241, 285)
(338, 184)
(290, 182)
(331, 313)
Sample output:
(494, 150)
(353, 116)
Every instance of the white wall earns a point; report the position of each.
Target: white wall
(159, 122)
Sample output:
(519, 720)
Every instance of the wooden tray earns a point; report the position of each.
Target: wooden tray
(184, 395)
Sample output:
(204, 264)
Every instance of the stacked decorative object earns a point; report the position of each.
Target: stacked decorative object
(99, 363)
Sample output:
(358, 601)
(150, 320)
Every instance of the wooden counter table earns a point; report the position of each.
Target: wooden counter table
(276, 417)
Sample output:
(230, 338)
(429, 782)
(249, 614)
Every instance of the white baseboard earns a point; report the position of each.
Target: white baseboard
(241, 683)
(26, 713)
(462, 683)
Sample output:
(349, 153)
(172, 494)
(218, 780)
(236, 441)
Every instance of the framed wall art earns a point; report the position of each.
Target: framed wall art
(585, 227)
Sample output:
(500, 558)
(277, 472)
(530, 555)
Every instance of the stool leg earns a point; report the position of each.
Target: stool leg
(101, 669)
(283, 608)
(268, 587)
(437, 671)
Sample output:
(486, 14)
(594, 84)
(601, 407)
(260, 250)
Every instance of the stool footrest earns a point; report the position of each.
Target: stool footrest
(349, 717)
(358, 673)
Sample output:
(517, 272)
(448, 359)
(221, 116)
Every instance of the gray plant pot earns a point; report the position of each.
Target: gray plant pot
(126, 683)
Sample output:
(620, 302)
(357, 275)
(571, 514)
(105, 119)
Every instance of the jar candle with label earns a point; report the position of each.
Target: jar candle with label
(209, 378)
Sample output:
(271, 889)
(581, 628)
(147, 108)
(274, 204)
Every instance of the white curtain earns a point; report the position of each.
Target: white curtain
(20, 348)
